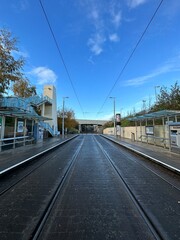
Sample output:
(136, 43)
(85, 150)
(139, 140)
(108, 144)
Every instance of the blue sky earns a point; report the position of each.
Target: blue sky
(96, 38)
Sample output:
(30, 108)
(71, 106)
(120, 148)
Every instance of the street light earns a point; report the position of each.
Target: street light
(156, 92)
(63, 117)
(114, 115)
(144, 105)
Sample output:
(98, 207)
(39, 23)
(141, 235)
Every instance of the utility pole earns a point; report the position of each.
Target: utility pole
(63, 117)
(156, 92)
(114, 110)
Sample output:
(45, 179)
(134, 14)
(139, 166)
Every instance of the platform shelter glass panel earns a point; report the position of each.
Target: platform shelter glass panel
(9, 127)
(29, 127)
(0, 126)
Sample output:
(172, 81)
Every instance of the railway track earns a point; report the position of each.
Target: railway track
(19, 171)
(156, 231)
(32, 185)
(93, 196)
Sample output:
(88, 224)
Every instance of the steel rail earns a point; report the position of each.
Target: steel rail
(145, 167)
(165, 165)
(23, 177)
(17, 166)
(37, 231)
(147, 219)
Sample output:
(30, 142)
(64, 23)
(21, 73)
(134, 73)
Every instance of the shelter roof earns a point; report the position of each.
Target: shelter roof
(159, 114)
(22, 114)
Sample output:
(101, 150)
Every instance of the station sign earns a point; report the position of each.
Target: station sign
(118, 119)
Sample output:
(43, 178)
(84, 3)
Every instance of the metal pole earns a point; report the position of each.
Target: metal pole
(63, 121)
(114, 118)
(63, 117)
(114, 104)
(156, 92)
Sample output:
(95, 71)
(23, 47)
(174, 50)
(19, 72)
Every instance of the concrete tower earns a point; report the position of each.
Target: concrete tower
(50, 110)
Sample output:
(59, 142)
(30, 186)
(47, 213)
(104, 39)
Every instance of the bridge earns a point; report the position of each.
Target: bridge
(91, 126)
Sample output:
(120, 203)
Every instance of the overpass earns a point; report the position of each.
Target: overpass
(91, 126)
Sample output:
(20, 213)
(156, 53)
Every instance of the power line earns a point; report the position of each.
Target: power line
(132, 53)
(60, 54)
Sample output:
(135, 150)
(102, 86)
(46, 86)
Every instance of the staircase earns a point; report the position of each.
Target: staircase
(26, 106)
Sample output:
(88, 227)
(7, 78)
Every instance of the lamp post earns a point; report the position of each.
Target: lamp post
(114, 108)
(156, 92)
(144, 105)
(63, 117)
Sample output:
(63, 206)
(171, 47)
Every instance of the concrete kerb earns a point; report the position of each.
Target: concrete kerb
(176, 170)
(3, 172)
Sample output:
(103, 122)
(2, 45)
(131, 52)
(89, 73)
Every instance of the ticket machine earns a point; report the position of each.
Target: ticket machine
(174, 129)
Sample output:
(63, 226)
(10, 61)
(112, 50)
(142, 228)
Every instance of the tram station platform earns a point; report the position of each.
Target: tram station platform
(161, 155)
(11, 157)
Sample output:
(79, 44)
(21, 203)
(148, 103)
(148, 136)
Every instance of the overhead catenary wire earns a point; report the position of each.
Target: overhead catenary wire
(60, 54)
(131, 54)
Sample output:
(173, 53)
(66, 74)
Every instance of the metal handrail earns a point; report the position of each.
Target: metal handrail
(15, 102)
(154, 137)
(47, 127)
(37, 100)
(15, 140)
(162, 139)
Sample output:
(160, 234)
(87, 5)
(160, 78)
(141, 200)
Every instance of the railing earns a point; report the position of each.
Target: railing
(37, 100)
(23, 104)
(14, 102)
(15, 140)
(153, 139)
(47, 127)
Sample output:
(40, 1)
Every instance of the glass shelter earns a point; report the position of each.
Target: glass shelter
(158, 128)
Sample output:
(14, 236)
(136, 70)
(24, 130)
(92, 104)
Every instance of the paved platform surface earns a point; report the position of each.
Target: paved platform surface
(159, 154)
(13, 156)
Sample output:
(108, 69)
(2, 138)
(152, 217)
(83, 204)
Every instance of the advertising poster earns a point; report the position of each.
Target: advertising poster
(20, 126)
(118, 119)
(149, 130)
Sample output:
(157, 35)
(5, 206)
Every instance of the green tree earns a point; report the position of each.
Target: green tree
(10, 68)
(108, 124)
(22, 88)
(168, 99)
(69, 120)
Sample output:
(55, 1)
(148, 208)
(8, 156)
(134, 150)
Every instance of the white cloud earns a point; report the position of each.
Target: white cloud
(103, 17)
(94, 14)
(24, 4)
(114, 37)
(91, 60)
(96, 42)
(172, 10)
(44, 75)
(115, 13)
(136, 3)
(23, 54)
(117, 19)
(171, 65)
(21, 5)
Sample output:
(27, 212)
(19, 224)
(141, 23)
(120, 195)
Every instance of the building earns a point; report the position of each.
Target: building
(24, 120)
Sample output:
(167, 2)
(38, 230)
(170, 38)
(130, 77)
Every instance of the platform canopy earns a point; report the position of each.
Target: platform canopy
(19, 107)
(156, 115)
(22, 114)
